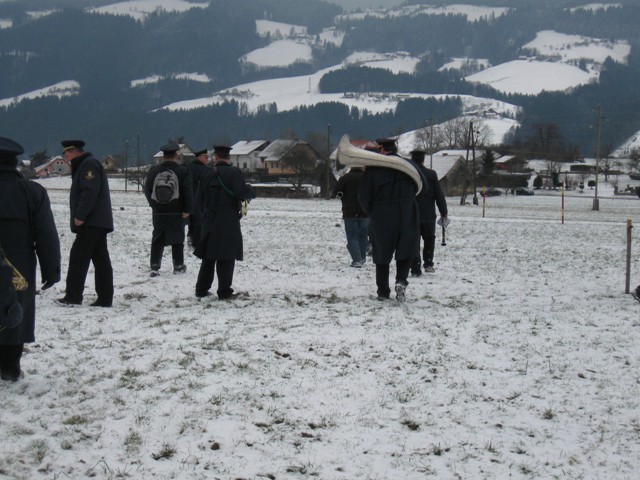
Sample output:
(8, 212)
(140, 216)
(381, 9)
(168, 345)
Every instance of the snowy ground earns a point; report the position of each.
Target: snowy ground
(518, 358)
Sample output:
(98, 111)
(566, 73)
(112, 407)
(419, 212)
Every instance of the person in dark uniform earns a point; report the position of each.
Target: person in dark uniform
(169, 218)
(388, 196)
(356, 221)
(221, 243)
(91, 221)
(28, 236)
(428, 198)
(198, 167)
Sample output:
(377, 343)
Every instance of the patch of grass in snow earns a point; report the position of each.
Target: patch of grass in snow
(438, 450)
(410, 424)
(129, 377)
(407, 394)
(218, 343)
(324, 422)
(304, 469)
(132, 442)
(167, 450)
(187, 359)
(39, 449)
(76, 420)
(19, 430)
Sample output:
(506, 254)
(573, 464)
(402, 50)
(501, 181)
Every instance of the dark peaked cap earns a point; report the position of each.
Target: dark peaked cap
(200, 152)
(389, 144)
(222, 150)
(170, 148)
(69, 144)
(418, 155)
(9, 148)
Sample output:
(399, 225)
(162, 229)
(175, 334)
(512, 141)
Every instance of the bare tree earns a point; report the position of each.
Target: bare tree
(429, 138)
(633, 163)
(455, 133)
(302, 162)
(606, 162)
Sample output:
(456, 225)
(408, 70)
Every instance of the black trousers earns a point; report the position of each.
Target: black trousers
(224, 269)
(10, 356)
(428, 234)
(382, 276)
(157, 250)
(89, 246)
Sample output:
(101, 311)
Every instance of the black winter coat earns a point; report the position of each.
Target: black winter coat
(168, 223)
(429, 197)
(349, 185)
(221, 233)
(89, 197)
(389, 197)
(27, 231)
(197, 170)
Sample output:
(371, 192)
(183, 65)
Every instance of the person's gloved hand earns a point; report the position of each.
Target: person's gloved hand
(444, 222)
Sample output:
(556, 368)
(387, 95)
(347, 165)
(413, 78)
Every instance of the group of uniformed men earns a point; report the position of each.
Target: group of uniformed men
(27, 230)
(379, 205)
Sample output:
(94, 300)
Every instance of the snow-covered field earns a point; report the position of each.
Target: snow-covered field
(518, 358)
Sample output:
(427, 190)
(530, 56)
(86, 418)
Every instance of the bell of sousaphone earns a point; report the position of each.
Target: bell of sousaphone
(352, 156)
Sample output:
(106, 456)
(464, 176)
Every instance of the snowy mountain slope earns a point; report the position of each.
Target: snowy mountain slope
(140, 9)
(531, 77)
(560, 62)
(60, 89)
(471, 12)
(280, 53)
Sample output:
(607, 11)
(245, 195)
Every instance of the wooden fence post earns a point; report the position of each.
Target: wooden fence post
(628, 279)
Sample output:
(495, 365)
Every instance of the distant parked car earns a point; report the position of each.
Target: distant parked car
(523, 191)
(492, 192)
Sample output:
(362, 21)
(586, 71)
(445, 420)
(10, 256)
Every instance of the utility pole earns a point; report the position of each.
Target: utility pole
(596, 200)
(327, 169)
(126, 165)
(138, 159)
(431, 143)
(473, 153)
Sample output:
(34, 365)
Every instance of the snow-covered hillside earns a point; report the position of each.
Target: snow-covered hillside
(60, 89)
(140, 9)
(471, 12)
(280, 53)
(559, 62)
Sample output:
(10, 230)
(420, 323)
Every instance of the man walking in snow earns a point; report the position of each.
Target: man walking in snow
(168, 191)
(27, 232)
(356, 221)
(221, 242)
(430, 196)
(91, 221)
(388, 196)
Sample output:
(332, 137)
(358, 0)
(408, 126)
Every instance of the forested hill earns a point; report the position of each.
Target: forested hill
(101, 64)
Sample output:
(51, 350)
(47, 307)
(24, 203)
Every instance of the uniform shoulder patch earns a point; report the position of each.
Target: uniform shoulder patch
(89, 175)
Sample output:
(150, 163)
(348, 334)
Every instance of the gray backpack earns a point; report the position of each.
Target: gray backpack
(166, 187)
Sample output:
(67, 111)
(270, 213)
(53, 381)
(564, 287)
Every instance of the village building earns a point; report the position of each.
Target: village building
(245, 155)
(185, 155)
(57, 166)
(277, 158)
